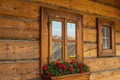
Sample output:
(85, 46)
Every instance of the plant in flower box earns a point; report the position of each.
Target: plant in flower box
(63, 70)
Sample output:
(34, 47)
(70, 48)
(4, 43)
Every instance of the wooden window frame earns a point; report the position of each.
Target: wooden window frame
(107, 23)
(47, 15)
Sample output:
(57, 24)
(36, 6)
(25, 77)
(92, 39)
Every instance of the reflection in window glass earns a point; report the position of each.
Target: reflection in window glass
(56, 30)
(71, 31)
(56, 51)
(106, 38)
(71, 50)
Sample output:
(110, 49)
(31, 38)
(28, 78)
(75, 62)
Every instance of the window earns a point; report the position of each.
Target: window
(61, 36)
(106, 40)
(58, 40)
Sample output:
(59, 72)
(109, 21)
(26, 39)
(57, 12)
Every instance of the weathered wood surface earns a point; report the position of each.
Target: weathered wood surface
(118, 50)
(82, 76)
(13, 50)
(87, 6)
(106, 75)
(100, 64)
(19, 9)
(19, 70)
(90, 50)
(90, 35)
(117, 36)
(89, 21)
(18, 29)
(117, 26)
(113, 3)
(30, 9)
(20, 77)
(19, 19)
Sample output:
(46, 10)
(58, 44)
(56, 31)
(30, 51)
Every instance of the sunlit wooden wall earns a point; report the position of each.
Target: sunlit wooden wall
(20, 36)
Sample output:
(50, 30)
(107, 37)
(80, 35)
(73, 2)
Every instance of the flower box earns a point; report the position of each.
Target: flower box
(78, 76)
(66, 71)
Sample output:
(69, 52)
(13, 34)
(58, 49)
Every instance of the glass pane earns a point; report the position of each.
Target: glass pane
(104, 44)
(71, 50)
(56, 51)
(103, 31)
(108, 44)
(71, 31)
(56, 30)
(106, 38)
(107, 32)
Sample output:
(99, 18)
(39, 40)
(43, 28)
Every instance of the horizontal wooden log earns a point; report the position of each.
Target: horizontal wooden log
(106, 75)
(19, 9)
(14, 50)
(90, 50)
(86, 6)
(90, 35)
(113, 3)
(19, 71)
(117, 37)
(89, 21)
(100, 64)
(20, 77)
(117, 26)
(30, 9)
(18, 29)
(117, 50)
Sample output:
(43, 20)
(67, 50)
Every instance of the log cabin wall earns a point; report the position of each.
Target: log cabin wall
(20, 36)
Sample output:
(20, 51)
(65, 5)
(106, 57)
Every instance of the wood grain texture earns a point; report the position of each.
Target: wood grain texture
(106, 75)
(19, 71)
(90, 35)
(20, 77)
(100, 64)
(19, 9)
(83, 6)
(117, 50)
(18, 29)
(90, 50)
(89, 21)
(88, 6)
(31, 10)
(117, 25)
(117, 36)
(56, 2)
(114, 3)
(82, 76)
(91, 7)
(14, 50)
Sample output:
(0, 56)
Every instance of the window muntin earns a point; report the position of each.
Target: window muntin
(106, 37)
(71, 40)
(47, 42)
(59, 40)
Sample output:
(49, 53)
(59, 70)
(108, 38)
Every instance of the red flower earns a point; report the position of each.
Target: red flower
(82, 70)
(45, 68)
(58, 63)
(71, 69)
(49, 74)
(73, 61)
(64, 66)
(80, 65)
